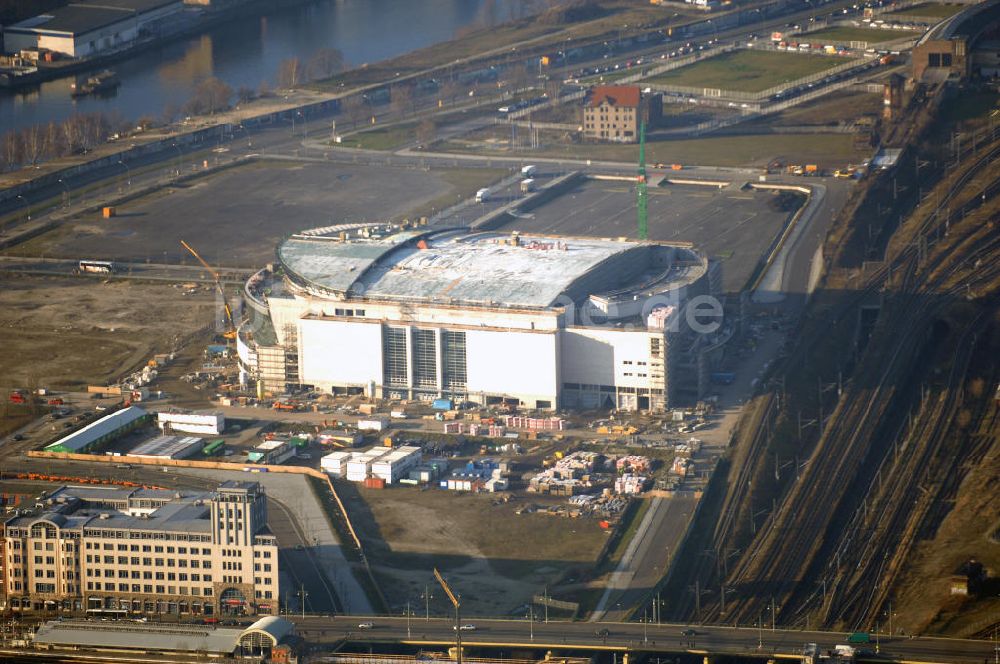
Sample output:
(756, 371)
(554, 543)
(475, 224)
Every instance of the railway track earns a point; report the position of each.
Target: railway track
(792, 543)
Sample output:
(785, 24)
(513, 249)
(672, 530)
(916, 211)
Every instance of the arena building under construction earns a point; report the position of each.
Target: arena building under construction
(543, 322)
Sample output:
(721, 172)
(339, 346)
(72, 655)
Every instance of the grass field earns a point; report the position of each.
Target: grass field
(746, 71)
(841, 35)
(752, 150)
(930, 10)
(382, 138)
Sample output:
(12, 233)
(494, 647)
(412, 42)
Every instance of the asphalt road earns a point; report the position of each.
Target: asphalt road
(747, 641)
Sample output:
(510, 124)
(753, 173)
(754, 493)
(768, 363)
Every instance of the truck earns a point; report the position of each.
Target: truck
(528, 171)
(482, 195)
(859, 637)
(527, 186)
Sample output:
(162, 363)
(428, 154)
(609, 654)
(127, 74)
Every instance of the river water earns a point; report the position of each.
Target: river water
(248, 51)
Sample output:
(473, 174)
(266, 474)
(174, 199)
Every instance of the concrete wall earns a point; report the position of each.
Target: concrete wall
(340, 352)
(597, 356)
(519, 364)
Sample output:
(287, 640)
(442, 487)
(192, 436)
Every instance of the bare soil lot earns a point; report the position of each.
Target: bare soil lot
(236, 217)
(69, 332)
(494, 557)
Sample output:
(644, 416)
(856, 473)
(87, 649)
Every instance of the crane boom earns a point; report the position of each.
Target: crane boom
(447, 589)
(458, 616)
(230, 333)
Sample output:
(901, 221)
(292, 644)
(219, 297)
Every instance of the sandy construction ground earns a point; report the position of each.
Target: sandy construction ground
(495, 558)
(69, 332)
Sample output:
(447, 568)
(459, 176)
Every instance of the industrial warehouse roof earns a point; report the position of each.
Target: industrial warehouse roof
(166, 446)
(94, 431)
(82, 17)
(138, 636)
(448, 267)
(73, 19)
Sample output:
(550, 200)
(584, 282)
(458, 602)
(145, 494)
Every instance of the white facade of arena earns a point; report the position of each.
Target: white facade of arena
(483, 317)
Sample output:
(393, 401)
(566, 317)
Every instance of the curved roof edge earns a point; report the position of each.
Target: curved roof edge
(274, 627)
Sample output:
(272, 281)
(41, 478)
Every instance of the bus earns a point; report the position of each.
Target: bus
(100, 267)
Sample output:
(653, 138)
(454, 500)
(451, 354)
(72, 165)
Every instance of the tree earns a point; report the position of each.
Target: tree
(244, 95)
(552, 88)
(289, 73)
(325, 63)
(449, 90)
(53, 141)
(264, 90)
(426, 132)
(32, 143)
(354, 109)
(402, 98)
(11, 150)
(210, 96)
(72, 134)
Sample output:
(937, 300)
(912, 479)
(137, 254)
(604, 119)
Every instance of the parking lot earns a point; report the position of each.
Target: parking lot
(236, 217)
(735, 226)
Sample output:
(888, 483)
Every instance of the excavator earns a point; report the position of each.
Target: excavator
(230, 332)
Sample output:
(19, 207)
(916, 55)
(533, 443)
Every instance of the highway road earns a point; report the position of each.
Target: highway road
(148, 271)
(634, 637)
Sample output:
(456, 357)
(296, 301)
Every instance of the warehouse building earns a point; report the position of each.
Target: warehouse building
(204, 423)
(168, 447)
(144, 551)
(543, 322)
(93, 436)
(272, 452)
(87, 28)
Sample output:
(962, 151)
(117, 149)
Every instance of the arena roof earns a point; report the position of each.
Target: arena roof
(448, 266)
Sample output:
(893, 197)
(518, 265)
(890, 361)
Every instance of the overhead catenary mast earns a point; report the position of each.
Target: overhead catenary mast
(640, 191)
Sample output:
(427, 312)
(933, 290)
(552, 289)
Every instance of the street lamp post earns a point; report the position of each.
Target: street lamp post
(128, 172)
(69, 200)
(407, 620)
(531, 622)
(27, 208)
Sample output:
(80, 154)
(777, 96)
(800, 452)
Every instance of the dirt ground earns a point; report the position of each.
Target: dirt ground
(970, 530)
(64, 333)
(495, 558)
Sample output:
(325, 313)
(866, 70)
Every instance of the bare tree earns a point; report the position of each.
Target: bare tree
(210, 96)
(450, 90)
(518, 76)
(32, 143)
(289, 73)
(72, 134)
(170, 113)
(325, 63)
(11, 150)
(264, 90)
(245, 94)
(403, 98)
(552, 88)
(354, 109)
(53, 141)
(426, 132)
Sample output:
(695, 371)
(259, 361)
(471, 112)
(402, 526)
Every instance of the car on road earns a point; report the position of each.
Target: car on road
(468, 627)
(689, 632)
(603, 633)
(18, 436)
(366, 625)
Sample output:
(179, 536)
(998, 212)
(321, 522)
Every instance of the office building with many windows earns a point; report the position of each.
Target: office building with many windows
(109, 550)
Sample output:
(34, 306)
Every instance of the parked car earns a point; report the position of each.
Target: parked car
(366, 625)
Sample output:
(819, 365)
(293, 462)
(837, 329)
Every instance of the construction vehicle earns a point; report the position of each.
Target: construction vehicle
(284, 405)
(230, 332)
(846, 173)
(18, 396)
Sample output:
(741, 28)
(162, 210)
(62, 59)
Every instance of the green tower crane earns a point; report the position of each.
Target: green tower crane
(640, 191)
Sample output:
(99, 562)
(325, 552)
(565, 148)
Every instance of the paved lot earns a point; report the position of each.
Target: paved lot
(236, 217)
(735, 225)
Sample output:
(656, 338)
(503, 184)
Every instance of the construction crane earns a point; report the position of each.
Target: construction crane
(458, 619)
(230, 332)
(640, 191)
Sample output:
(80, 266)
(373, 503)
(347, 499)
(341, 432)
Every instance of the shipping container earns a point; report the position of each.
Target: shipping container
(442, 404)
(374, 483)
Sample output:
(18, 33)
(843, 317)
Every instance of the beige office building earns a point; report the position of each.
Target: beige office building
(123, 551)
